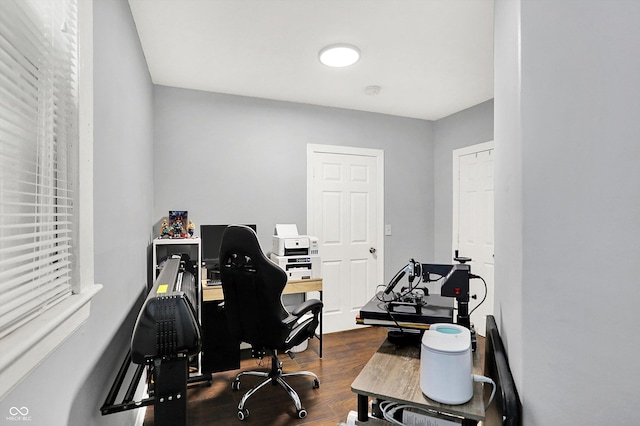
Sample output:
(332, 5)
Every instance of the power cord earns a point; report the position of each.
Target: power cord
(390, 408)
(486, 290)
(484, 379)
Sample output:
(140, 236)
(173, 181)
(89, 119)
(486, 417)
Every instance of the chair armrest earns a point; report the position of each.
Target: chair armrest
(290, 321)
(313, 305)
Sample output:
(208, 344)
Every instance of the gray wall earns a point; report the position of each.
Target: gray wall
(508, 184)
(231, 159)
(471, 126)
(70, 386)
(567, 98)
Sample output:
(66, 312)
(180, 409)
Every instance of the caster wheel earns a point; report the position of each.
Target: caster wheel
(302, 413)
(316, 383)
(235, 385)
(244, 413)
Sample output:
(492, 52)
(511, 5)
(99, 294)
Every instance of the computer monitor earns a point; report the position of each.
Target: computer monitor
(211, 237)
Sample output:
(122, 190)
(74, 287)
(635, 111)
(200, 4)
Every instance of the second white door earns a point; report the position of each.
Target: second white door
(473, 224)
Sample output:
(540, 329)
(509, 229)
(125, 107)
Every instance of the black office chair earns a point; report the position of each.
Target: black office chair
(252, 286)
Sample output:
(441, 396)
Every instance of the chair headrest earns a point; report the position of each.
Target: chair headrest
(241, 239)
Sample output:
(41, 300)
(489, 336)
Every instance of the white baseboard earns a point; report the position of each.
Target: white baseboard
(140, 394)
(140, 417)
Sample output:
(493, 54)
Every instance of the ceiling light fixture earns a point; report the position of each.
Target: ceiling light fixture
(339, 55)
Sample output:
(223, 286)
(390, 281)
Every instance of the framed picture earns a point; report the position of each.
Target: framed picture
(178, 222)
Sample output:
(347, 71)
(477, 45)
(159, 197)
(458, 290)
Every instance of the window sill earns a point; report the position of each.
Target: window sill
(26, 348)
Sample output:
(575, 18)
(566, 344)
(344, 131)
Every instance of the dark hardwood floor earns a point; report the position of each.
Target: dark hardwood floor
(344, 355)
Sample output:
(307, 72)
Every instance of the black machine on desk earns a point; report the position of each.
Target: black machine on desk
(412, 306)
(166, 337)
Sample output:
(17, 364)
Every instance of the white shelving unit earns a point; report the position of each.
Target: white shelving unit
(164, 247)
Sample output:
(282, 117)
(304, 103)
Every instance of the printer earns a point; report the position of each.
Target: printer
(287, 242)
(297, 255)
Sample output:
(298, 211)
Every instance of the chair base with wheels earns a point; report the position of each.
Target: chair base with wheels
(275, 376)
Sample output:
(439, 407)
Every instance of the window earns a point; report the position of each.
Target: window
(45, 281)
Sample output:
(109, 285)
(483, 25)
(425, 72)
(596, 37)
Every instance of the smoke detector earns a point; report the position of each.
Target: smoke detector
(372, 90)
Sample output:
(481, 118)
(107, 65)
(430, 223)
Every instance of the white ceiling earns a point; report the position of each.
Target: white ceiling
(431, 58)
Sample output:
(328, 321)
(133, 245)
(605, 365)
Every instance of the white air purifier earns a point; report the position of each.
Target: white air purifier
(446, 364)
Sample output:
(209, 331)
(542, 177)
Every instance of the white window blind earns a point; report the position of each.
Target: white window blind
(38, 156)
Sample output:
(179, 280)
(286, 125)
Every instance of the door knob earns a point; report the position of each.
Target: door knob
(372, 250)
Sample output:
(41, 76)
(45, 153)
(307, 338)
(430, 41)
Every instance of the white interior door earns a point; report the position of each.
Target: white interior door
(344, 210)
(473, 223)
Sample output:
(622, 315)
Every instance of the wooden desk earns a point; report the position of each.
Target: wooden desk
(214, 292)
(393, 374)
